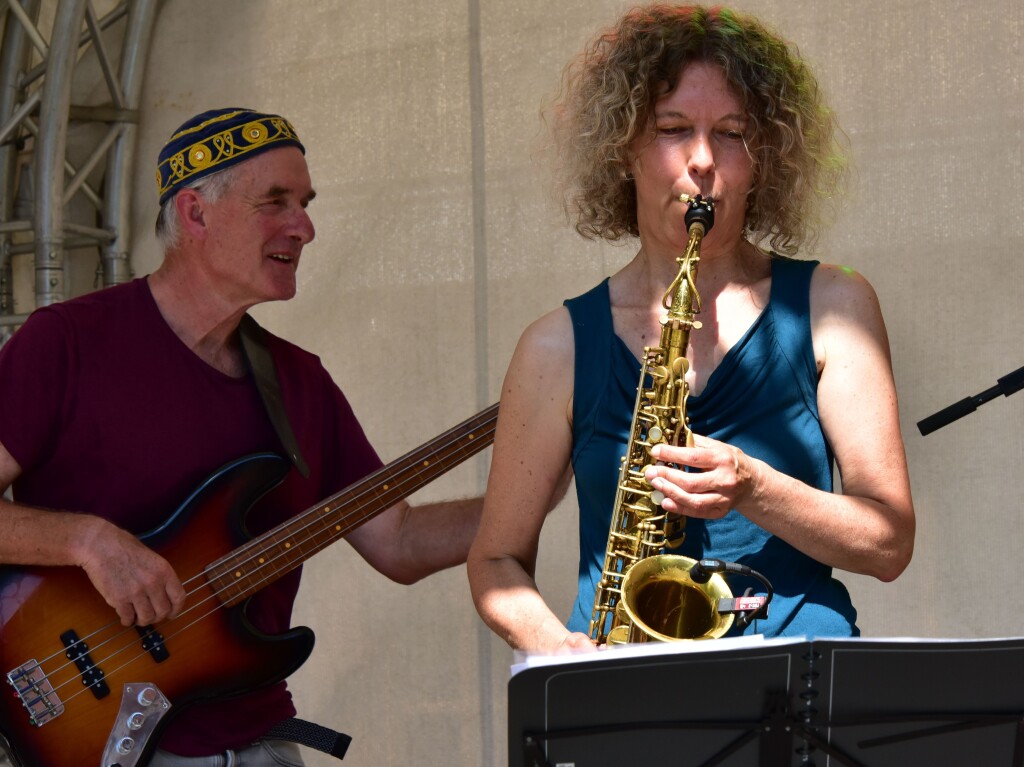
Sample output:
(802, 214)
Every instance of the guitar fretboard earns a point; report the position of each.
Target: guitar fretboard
(264, 559)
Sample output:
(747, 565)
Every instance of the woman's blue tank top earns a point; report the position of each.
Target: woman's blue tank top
(762, 398)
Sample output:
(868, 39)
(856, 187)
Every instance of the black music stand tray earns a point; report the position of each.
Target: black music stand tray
(774, 703)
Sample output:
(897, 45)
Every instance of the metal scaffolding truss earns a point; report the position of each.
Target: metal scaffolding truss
(44, 190)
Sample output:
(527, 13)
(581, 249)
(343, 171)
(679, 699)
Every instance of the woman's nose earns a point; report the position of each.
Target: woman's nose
(702, 156)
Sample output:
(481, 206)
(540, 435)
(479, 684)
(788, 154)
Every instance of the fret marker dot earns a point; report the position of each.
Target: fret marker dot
(287, 545)
(385, 487)
(262, 560)
(238, 573)
(426, 463)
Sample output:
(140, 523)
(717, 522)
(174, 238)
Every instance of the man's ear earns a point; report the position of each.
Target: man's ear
(191, 208)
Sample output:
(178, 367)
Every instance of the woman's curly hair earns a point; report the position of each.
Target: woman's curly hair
(607, 100)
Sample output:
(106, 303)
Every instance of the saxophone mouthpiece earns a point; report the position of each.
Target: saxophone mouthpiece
(701, 212)
(685, 198)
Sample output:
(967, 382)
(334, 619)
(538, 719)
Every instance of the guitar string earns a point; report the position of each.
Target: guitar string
(416, 481)
(443, 446)
(410, 459)
(485, 427)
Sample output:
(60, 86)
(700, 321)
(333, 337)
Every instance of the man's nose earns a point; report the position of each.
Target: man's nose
(302, 227)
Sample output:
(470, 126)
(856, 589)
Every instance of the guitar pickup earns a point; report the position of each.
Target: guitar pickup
(153, 643)
(92, 675)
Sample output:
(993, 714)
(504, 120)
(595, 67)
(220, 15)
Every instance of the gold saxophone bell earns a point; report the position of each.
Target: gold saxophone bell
(661, 598)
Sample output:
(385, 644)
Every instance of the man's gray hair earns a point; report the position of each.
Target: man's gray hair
(212, 188)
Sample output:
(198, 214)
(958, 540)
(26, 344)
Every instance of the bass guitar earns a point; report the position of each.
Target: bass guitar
(85, 691)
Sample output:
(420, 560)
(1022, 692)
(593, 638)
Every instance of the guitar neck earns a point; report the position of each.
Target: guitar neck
(268, 557)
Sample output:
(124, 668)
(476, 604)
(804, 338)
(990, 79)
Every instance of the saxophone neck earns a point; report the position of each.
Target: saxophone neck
(682, 299)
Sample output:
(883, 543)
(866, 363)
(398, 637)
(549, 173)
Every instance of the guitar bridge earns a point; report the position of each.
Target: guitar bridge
(36, 693)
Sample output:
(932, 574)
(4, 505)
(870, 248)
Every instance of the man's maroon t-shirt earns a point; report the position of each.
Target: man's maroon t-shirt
(107, 412)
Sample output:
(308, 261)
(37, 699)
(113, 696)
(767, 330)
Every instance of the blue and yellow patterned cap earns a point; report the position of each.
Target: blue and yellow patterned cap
(216, 140)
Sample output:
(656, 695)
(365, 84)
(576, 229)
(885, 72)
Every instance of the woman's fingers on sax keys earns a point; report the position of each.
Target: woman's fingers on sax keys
(710, 491)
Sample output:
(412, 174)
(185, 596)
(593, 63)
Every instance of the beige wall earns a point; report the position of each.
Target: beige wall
(438, 242)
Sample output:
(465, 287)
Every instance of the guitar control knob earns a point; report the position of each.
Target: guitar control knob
(147, 696)
(125, 745)
(135, 721)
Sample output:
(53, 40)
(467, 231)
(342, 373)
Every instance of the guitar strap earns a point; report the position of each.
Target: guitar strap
(312, 735)
(261, 364)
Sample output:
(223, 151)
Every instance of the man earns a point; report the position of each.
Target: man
(116, 405)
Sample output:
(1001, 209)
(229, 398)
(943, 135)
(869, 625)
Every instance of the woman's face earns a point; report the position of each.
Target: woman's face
(697, 148)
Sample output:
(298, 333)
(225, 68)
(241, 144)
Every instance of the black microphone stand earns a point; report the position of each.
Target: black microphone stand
(1006, 386)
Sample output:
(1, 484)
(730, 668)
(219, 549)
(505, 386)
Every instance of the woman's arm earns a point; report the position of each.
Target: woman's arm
(530, 471)
(869, 528)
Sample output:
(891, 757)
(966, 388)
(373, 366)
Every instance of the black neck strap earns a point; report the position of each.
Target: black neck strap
(261, 364)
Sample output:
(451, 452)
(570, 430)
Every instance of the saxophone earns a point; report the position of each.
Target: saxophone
(646, 594)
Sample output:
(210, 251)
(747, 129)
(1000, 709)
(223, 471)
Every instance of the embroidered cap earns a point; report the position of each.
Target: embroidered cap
(216, 140)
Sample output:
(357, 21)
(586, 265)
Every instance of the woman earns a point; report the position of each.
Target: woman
(789, 370)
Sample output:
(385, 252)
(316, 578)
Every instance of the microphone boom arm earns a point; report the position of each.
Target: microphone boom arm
(1007, 385)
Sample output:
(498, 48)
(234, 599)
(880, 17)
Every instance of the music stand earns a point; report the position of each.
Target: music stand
(780, 703)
